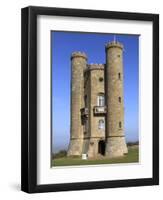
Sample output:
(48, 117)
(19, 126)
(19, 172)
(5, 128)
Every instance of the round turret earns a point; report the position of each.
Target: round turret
(115, 138)
(78, 65)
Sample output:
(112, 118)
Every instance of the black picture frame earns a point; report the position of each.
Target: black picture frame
(29, 99)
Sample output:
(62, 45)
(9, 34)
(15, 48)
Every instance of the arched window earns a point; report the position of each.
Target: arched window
(119, 99)
(101, 100)
(101, 124)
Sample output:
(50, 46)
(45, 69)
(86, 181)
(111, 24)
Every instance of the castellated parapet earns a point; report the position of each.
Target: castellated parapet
(78, 54)
(97, 105)
(115, 44)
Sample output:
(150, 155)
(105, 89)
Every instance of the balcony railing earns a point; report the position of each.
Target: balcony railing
(99, 110)
(84, 112)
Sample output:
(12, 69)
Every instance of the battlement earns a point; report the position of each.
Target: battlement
(94, 66)
(78, 54)
(114, 44)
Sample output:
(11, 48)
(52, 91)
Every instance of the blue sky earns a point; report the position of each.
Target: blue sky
(93, 44)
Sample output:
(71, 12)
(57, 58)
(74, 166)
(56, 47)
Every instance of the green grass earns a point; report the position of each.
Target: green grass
(132, 156)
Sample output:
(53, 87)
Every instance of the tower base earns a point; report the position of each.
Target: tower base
(75, 147)
(115, 147)
(85, 145)
(93, 148)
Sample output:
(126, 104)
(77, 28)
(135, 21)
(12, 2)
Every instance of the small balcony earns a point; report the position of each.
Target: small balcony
(84, 112)
(99, 110)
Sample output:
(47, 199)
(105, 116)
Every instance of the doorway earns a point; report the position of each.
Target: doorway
(101, 147)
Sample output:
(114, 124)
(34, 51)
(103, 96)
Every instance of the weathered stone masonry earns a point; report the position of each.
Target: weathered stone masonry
(97, 105)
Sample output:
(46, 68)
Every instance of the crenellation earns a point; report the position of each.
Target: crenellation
(94, 66)
(79, 54)
(114, 44)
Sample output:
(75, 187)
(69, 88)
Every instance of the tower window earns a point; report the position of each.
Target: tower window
(101, 124)
(119, 76)
(120, 124)
(119, 99)
(118, 56)
(101, 100)
(101, 79)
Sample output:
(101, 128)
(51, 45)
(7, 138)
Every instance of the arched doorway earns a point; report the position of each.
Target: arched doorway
(101, 147)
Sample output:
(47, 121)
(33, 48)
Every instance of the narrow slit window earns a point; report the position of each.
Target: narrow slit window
(119, 99)
(119, 76)
(120, 124)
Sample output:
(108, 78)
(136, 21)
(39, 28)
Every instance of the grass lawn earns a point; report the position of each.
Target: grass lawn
(132, 156)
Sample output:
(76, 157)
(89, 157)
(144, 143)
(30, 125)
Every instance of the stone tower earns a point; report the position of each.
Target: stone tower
(97, 105)
(78, 65)
(94, 135)
(115, 138)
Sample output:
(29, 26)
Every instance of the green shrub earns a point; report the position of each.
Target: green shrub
(132, 143)
(60, 154)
